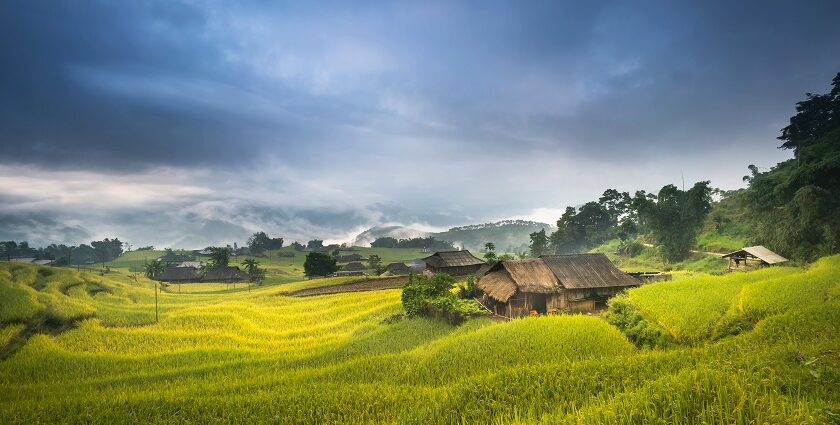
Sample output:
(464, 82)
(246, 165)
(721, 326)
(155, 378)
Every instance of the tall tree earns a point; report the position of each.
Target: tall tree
(317, 264)
(219, 257)
(539, 243)
(490, 253)
(816, 117)
(675, 217)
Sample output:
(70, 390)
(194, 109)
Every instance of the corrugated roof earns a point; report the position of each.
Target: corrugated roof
(579, 271)
(761, 253)
(452, 259)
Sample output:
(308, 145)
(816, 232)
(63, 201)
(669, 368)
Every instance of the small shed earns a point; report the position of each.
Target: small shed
(180, 274)
(754, 255)
(354, 267)
(225, 274)
(455, 263)
(397, 269)
(551, 284)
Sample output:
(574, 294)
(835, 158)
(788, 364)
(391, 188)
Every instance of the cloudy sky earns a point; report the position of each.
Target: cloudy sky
(186, 123)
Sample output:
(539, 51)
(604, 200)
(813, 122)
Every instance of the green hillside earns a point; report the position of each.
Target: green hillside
(756, 347)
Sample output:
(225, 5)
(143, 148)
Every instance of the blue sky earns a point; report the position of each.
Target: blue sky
(198, 122)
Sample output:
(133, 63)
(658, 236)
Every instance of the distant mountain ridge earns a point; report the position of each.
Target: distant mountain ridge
(508, 235)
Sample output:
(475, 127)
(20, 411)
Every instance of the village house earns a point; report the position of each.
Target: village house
(454, 263)
(552, 284)
(397, 269)
(350, 257)
(754, 256)
(225, 274)
(180, 274)
(354, 267)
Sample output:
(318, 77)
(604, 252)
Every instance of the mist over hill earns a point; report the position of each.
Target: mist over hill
(508, 235)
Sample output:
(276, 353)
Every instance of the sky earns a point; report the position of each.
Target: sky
(192, 123)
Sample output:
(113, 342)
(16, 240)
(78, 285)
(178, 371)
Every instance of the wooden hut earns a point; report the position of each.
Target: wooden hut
(354, 267)
(225, 274)
(550, 284)
(397, 269)
(180, 274)
(455, 263)
(754, 256)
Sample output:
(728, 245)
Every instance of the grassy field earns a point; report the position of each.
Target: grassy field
(85, 348)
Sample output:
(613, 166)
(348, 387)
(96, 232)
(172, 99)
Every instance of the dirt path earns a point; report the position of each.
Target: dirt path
(368, 285)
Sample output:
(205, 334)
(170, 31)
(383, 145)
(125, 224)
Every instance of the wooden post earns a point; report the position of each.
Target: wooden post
(156, 303)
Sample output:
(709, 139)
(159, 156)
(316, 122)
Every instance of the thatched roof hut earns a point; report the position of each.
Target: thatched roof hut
(550, 284)
(455, 263)
(397, 269)
(504, 279)
(225, 274)
(755, 254)
(354, 267)
(179, 274)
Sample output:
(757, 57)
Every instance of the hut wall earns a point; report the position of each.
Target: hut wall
(517, 306)
(456, 271)
(556, 302)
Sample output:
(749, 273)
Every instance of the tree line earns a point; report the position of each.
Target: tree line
(96, 252)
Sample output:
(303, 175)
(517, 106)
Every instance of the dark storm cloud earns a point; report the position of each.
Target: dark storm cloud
(133, 84)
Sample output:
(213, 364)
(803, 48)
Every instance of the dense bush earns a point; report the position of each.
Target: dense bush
(432, 296)
(626, 317)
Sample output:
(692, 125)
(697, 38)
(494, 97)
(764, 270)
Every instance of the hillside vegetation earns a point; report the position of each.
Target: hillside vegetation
(757, 347)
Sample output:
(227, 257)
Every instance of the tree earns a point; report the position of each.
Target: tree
(154, 269)
(490, 253)
(219, 257)
(315, 244)
(816, 117)
(675, 217)
(539, 243)
(375, 264)
(297, 246)
(317, 264)
(260, 242)
(252, 267)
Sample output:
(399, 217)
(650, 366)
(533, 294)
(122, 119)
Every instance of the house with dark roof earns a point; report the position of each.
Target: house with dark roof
(225, 274)
(180, 274)
(354, 267)
(349, 257)
(552, 284)
(396, 269)
(455, 263)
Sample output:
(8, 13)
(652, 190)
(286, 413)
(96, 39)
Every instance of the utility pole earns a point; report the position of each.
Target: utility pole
(156, 303)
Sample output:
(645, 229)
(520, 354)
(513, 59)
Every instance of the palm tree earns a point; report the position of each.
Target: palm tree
(252, 266)
(153, 269)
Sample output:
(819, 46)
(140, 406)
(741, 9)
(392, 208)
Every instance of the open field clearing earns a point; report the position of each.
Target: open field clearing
(85, 348)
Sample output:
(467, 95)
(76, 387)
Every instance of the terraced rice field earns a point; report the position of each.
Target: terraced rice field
(85, 348)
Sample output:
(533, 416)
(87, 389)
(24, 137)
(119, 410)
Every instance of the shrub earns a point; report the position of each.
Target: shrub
(432, 296)
(625, 316)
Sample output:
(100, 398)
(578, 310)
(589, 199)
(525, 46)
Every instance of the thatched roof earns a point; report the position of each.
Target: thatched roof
(530, 275)
(354, 267)
(398, 268)
(580, 271)
(225, 274)
(759, 252)
(180, 274)
(452, 259)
